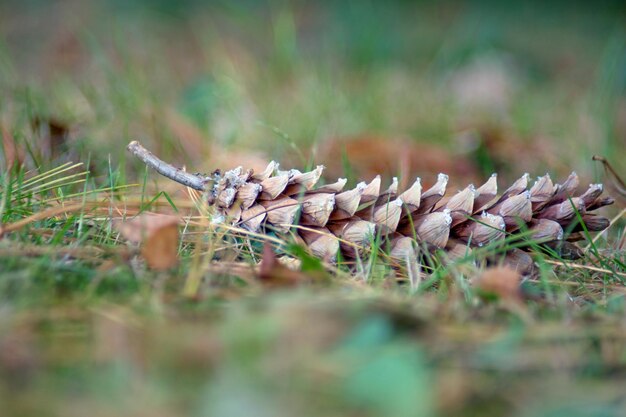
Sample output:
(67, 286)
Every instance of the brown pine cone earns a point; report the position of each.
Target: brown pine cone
(330, 219)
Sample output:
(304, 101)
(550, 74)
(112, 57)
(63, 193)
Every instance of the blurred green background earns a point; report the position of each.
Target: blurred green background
(486, 85)
(513, 87)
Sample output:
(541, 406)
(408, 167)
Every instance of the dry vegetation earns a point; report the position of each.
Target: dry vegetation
(120, 293)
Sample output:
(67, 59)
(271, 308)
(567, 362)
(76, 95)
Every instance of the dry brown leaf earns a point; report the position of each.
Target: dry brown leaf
(501, 282)
(161, 249)
(158, 236)
(272, 273)
(138, 228)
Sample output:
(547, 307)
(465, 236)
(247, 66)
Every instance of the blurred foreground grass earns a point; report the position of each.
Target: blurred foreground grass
(86, 329)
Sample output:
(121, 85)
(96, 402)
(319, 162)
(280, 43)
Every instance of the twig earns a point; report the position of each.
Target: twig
(618, 183)
(167, 170)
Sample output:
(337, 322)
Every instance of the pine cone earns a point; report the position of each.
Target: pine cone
(330, 219)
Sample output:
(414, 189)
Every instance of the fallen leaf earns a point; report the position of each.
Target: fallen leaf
(273, 273)
(503, 284)
(500, 282)
(158, 236)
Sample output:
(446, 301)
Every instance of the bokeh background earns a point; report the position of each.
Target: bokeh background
(402, 88)
(396, 87)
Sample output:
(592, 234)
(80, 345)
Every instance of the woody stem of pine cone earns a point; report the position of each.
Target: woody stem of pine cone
(167, 170)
